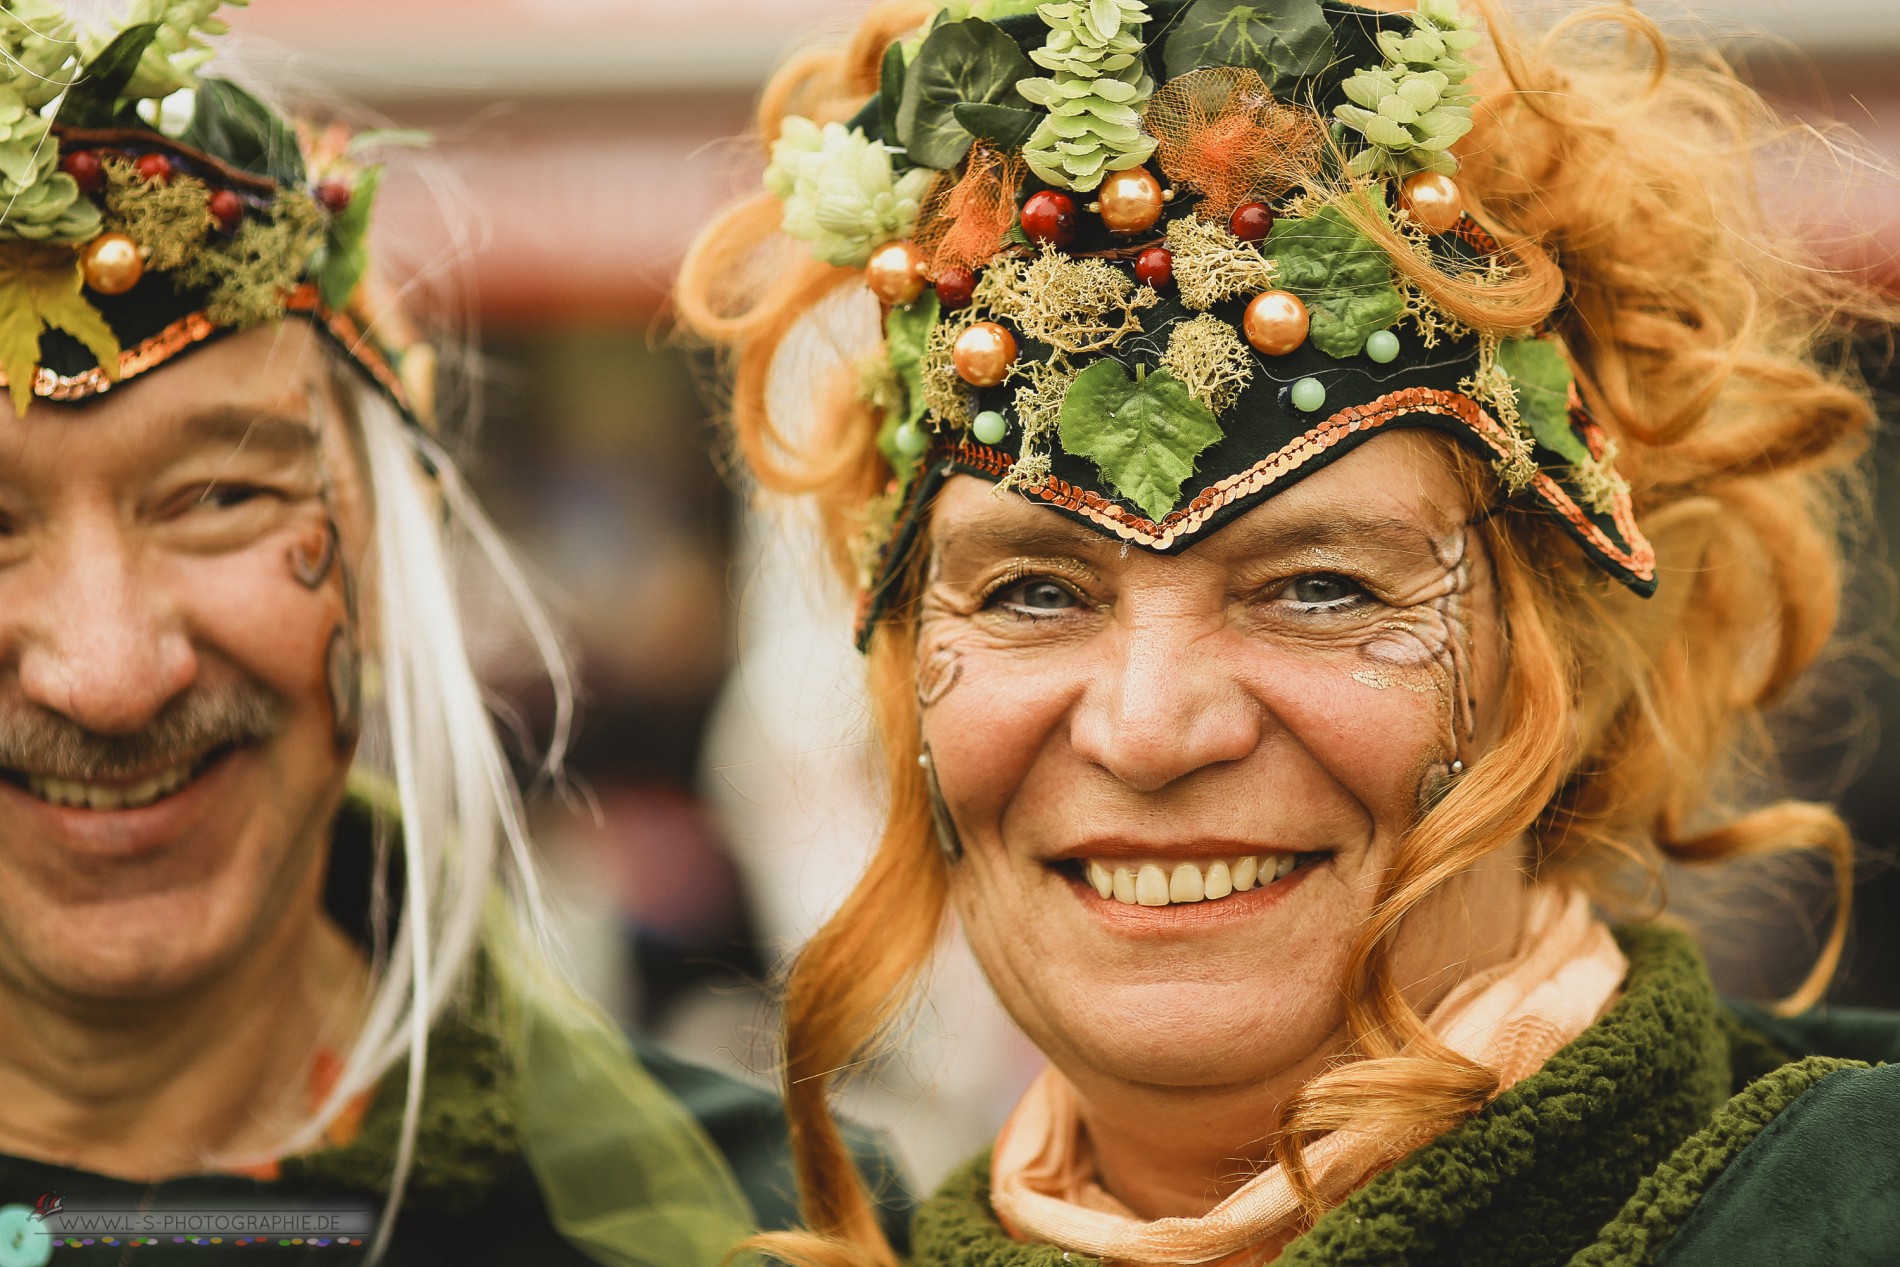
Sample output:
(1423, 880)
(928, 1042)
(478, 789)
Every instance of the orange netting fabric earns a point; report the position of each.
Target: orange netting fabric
(1221, 132)
(964, 223)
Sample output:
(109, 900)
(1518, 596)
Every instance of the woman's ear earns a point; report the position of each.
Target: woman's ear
(1680, 533)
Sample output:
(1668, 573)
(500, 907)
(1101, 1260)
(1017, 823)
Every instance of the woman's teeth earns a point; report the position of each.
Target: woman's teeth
(81, 795)
(1174, 883)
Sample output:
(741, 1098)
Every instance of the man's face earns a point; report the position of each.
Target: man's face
(178, 655)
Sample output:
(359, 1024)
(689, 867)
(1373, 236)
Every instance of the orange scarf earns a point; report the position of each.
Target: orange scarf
(1511, 1019)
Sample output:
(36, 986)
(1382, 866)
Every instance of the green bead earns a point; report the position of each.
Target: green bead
(1308, 394)
(1383, 347)
(989, 426)
(910, 440)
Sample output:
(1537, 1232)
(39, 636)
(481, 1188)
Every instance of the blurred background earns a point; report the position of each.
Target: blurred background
(724, 785)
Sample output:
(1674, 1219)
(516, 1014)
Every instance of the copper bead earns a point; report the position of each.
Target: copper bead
(895, 273)
(112, 263)
(984, 353)
(1433, 200)
(1276, 322)
(1131, 201)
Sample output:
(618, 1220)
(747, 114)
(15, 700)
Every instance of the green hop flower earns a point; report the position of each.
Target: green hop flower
(176, 53)
(38, 202)
(38, 50)
(839, 191)
(1095, 95)
(1415, 107)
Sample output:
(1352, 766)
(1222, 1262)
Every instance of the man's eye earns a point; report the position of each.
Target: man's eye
(1324, 591)
(1033, 597)
(225, 496)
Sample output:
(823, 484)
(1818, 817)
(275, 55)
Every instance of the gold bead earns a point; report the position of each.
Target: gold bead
(1131, 201)
(112, 263)
(895, 273)
(1433, 200)
(983, 354)
(1276, 322)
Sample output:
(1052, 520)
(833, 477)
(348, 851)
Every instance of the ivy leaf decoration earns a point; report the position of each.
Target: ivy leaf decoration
(93, 100)
(1345, 279)
(1143, 433)
(231, 124)
(346, 246)
(969, 61)
(906, 332)
(1542, 377)
(1285, 40)
(890, 91)
(40, 287)
(1004, 127)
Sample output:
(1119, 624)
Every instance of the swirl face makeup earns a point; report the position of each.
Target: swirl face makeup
(1177, 779)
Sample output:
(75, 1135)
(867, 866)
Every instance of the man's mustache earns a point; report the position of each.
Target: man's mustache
(40, 741)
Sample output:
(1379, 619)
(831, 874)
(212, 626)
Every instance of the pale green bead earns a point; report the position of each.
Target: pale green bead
(1383, 347)
(988, 426)
(910, 440)
(1308, 395)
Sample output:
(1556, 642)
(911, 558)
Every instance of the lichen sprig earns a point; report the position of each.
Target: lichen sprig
(1211, 264)
(1415, 107)
(1094, 93)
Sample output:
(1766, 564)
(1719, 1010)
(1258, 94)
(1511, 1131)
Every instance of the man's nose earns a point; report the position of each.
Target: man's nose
(99, 643)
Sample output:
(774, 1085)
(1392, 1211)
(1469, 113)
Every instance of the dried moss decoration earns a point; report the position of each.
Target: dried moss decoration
(1491, 386)
(1038, 408)
(946, 395)
(1074, 306)
(1211, 264)
(1210, 360)
(169, 218)
(250, 276)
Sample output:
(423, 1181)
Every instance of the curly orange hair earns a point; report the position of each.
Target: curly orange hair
(1620, 174)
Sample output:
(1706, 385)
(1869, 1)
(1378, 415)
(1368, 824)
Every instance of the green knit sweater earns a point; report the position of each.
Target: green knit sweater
(1675, 1131)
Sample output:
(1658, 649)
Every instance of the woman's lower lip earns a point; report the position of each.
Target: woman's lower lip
(121, 833)
(1185, 917)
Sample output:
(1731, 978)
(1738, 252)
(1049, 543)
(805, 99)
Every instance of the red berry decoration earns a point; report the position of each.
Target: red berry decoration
(227, 209)
(1049, 217)
(955, 286)
(153, 167)
(1251, 221)
(85, 169)
(1155, 267)
(335, 196)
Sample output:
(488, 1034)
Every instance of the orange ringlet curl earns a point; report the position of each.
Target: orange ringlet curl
(1220, 132)
(1620, 174)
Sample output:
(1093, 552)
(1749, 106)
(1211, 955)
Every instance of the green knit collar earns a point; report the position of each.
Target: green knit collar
(1530, 1180)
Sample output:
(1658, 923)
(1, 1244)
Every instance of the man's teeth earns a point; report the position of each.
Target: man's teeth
(82, 795)
(1175, 883)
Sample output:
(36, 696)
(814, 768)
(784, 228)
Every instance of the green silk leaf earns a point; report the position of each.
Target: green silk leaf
(40, 286)
(93, 100)
(1144, 434)
(1542, 377)
(906, 332)
(1285, 40)
(890, 92)
(970, 61)
(1004, 127)
(1344, 278)
(346, 247)
(229, 123)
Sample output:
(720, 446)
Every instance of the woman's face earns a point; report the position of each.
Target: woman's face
(1253, 723)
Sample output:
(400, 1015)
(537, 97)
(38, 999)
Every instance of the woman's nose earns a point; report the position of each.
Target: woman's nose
(98, 643)
(1165, 704)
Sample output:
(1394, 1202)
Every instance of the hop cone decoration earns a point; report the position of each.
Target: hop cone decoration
(1412, 109)
(38, 202)
(38, 50)
(176, 52)
(839, 192)
(1094, 95)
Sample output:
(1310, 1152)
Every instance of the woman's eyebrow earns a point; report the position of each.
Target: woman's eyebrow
(1340, 532)
(1047, 535)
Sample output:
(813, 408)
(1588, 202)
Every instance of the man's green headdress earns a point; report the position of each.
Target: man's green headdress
(147, 209)
(1130, 260)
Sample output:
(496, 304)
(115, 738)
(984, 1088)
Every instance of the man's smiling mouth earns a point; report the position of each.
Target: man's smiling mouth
(118, 794)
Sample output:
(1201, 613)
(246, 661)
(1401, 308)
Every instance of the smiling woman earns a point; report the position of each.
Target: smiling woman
(1332, 488)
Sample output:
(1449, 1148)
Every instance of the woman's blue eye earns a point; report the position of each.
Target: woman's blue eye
(1034, 596)
(1324, 590)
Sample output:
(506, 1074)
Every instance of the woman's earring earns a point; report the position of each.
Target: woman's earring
(948, 842)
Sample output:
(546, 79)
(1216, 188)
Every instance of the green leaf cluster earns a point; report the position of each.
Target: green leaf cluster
(840, 191)
(229, 123)
(172, 60)
(906, 338)
(38, 202)
(39, 49)
(1285, 41)
(1094, 94)
(1144, 433)
(1414, 108)
(964, 64)
(1542, 377)
(1343, 276)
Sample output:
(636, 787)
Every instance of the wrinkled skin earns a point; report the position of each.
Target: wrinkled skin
(1301, 681)
(176, 566)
